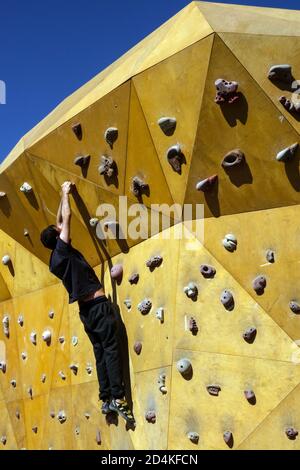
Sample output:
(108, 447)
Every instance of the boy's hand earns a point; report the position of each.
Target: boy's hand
(67, 187)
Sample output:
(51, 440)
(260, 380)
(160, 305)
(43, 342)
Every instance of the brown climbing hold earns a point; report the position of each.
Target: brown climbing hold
(77, 129)
(213, 390)
(74, 368)
(111, 134)
(207, 271)
(259, 284)
(98, 437)
(116, 272)
(139, 187)
(233, 158)
(145, 306)
(250, 334)
(150, 416)
(137, 347)
(193, 327)
(154, 262)
(134, 278)
(228, 438)
(52, 414)
(82, 161)
(107, 166)
(34, 429)
(281, 72)
(175, 157)
(250, 396)
(207, 184)
(291, 433)
(227, 300)
(294, 306)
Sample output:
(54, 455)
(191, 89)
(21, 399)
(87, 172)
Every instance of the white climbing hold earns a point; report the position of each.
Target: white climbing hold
(43, 378)
(33, 336)
(24, 355)
(230, 242)
(5, 323)
(3, 440)
(61, 416)
(62, 375)
(128, 304)
(26, 188)
(162, 383)
(87, 415)
(89, 368)
(191, 290)
(21, 320)
(74, 368)
(160, 314)
(13, 383)
(26, 232)
(3, 366)
(94, 222)
(61, 339)
(74, 340)
(287, 153)
(46, 336)
(6, 260)
(51, 314)
(2, 194)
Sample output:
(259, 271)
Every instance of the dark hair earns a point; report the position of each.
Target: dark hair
(49, 237)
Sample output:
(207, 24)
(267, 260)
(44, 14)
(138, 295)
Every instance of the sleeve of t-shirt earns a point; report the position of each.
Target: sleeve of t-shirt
(63, 247)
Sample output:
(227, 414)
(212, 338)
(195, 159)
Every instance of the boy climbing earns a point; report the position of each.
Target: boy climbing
(95, 309)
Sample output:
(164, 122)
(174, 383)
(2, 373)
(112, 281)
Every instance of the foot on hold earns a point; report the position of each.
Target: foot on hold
(121, 407)
(105, 407)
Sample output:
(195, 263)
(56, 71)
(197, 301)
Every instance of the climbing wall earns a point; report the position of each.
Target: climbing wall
(204, 111)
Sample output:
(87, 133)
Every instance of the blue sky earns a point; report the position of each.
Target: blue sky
(49, 49)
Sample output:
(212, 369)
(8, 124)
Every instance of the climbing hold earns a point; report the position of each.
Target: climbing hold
(127, 302)
(43, 378)
(26, 188)
(207, 271)
(259, 284)
(30, 392)
(47, 336)
(139, 187)
(193, 437)
(61, 339)
(82, 161)
(282, 73)
(51, 314)
(77, 129)
(228, 438)
(94, 222)
(24, 355)
(3, 366)
(6, 260)
(52, 414)
(3, 440)
(270, 256)
(250, 334)
(287, 153)
(150, 416)
(116, 272)
(227, 300)
(111, 135)
(77, 430)
(160, 314)
(5, 323)
(167, 125)
(62, 375)
(74, 368)
(33, 336)
(13, 383)
(98, 437)
(184, 366)
(34, 429)
(89, 368)
(87, 415)
(2, 194)
(61, 416)
(233, 158)
(289, 105)
(294, 306)
(154, 262)
(162, 384)
(107, 166)
(207, 184)
(226, 91)
(175, 157)
(137, 347)
(145, 306)
(17, 414)
(291, 433)
(213, 390)
(193, 327)
(26, 232)
(21, 320)
(74, 341)
(230, 242)
(250, 396)
(191, 290)
(134, 278)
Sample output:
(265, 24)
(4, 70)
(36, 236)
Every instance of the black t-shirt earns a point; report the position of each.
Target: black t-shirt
(71, 267)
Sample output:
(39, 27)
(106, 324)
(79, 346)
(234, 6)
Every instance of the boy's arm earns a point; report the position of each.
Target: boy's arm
(59, 215)
(66, 212)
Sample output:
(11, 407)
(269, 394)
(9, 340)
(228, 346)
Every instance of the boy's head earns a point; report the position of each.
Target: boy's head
(49, 236)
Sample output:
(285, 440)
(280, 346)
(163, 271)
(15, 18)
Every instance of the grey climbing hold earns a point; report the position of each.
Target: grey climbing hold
(192, 326)
(193, 437)
(213, 390)
(98, 437)
(138, 187)
(33, 337)
(3, 440)
(107, 166)
(227, 299)
(226, 91)
(13, 383)
(26, 232)
(77, 129)
(74, 341)
(259, 284)
(150, 416)
(82, 161)
(51, 314)
(250, 396)
(116, 272)
(287, 153)
(61, 339)
(61, 416)
(94, 222)
(175, 157)
(3, 366)
(26, 188)
(89, 368)
(207, 271)
(21, 320)
(233, 158)
(270, 256)
(295, 307)
(128, 304)
(191, 290)
(282, 73)
(62, 375)
(228, 438)
(74, 368)
(249, 335)
(207, 184)
(230, 242)
(5, 323)
(167, 125)
(137, 347)
(111, 135)
(43, 378)
(24, 355)
(162, 384)
(145, 306)
(154, 262)
(160, 314)
(34, 429)
(184, 366)
(291, 433)
(47, 336)
(134, 278)
(6, 260)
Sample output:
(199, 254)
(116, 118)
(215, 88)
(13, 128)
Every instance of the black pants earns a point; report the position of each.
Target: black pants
(100, 324)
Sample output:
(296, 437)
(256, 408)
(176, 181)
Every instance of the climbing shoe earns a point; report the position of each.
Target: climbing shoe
(121, 407)
(105, 409)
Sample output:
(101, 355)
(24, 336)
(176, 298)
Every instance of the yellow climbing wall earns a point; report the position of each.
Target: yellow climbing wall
(170, 74)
